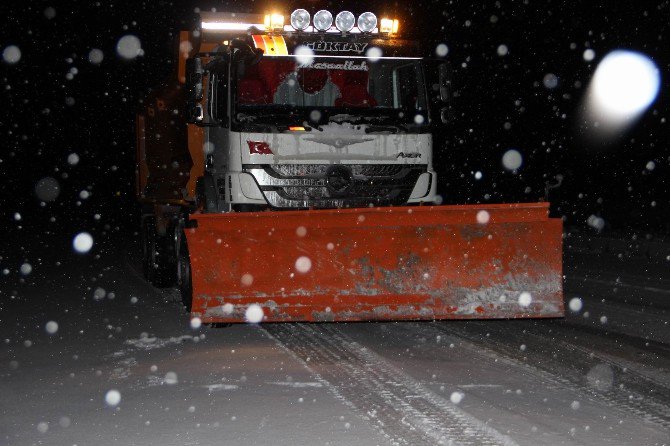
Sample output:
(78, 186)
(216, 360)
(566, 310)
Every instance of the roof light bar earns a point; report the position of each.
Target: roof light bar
(230, 26)
(301, 20)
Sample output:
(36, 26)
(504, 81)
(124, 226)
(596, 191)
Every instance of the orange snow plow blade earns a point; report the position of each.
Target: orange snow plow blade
(401, 263)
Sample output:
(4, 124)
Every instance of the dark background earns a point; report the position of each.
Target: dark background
(44, 116)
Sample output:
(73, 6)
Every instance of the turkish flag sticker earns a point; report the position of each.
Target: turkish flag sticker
(260, 147)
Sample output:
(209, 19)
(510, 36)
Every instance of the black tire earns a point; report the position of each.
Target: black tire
(155, 259)
(168, 252)
(148, 247)
(184, 278)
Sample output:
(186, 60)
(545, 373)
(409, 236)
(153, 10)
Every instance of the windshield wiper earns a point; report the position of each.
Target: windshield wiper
(358, 119)
(253, 117)
(282, 122)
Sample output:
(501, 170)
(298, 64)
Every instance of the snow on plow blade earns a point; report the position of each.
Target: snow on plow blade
(440, 262)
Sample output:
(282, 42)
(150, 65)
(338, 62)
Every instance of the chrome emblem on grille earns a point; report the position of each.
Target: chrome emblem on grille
(339, 142)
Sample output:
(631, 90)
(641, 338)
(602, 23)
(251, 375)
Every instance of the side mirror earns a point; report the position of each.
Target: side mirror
(445, 82)
(195, 112)
(199, 91)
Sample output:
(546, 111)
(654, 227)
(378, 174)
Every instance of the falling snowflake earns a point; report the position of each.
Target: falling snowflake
(196, 323)
(129, 47)
(303, 264)
(550, 81)
(512, 159)
(247, 279)
(441, 50)
(73, 159)
(254, 314)
(589, 55)
(304, 55)
(83, 242)
(596, 222)
(95, 56)
(315, 116)
(456, 397)
(525, 299)
(26, 269)
(99, 293)
(623, 86)
(11, 54)
(483, 217)
(374, 53)
(50, 12)
(113, 397)
(47, 189)
(51, 327)
(575, 304)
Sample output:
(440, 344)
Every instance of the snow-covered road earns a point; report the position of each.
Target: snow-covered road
(600, 379)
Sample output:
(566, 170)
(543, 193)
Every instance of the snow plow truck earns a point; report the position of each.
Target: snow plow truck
(285, 173)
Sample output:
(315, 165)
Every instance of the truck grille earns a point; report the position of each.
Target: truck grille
(335, 185)
(368, 170)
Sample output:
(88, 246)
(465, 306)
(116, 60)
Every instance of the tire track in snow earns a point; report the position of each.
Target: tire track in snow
(655, 376)
(551, 369)
(629, 319)
(397, 405)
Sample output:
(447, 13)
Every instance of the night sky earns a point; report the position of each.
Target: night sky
(55, 102)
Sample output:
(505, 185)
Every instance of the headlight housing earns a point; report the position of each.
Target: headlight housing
(323, 20)
(345, 21)
(367, 22)
(300, 19)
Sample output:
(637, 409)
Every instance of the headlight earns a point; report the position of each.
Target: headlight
(389, 26)
(367, 22)
(300, 19)
(323, 20)
(274, 22)
(345, 21)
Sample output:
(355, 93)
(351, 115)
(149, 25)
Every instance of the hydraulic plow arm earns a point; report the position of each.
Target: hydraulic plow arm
(441, 262)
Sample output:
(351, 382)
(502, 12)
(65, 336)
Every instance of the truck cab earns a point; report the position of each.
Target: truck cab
(333, 115)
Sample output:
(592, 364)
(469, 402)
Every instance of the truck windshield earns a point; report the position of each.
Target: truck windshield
(355, 89)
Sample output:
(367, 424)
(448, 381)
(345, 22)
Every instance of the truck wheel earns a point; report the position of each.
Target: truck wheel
(154, 266)
(184, 273)
(148, 247)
